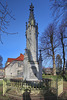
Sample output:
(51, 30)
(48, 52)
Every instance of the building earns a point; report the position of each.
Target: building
(31, 66)
(1, 73)
(47, 70)
(14, 67)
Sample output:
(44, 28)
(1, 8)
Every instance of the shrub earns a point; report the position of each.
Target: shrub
(65, 77)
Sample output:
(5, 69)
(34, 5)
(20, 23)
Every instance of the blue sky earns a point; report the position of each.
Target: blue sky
(13, 45)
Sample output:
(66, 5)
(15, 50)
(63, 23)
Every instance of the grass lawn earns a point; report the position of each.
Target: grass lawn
(52, 77)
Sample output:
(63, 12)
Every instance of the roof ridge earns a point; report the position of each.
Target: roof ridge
(21, 57)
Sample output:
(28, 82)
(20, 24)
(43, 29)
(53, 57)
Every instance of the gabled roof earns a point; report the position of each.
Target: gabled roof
(20, 58)
(10, 59)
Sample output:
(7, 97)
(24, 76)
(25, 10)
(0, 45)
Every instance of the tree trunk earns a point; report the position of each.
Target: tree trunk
(63, 60)
(63, 53)
(54, 66)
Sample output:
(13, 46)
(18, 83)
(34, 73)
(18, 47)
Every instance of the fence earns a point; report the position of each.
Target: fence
(31, 87)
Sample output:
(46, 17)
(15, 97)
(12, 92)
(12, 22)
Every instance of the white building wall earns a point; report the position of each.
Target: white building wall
(13, 70)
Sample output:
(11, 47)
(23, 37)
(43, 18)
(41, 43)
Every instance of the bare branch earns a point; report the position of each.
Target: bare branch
(59, 8)
(5, 15)
(49, 43)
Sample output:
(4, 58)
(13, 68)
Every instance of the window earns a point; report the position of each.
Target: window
(19, 64)
(19, 72)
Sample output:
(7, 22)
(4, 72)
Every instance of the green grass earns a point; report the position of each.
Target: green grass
(52, 76)
(1, 82)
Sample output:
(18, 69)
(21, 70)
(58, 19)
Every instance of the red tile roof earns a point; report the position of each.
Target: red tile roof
(10, 59)
(20, 58)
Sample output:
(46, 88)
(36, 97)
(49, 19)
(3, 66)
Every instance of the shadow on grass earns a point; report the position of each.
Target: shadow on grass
(51, 96)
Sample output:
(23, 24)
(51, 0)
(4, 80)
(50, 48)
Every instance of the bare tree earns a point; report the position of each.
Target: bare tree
(49, 44)
(59, 8)
(63, 39)
(58, 64)
(66, 64)
(1, 59)
(5, 16)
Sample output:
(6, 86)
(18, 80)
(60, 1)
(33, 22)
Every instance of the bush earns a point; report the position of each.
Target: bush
(1, 82)
(65, 77)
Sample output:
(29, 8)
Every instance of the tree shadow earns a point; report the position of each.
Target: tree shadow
(50, 96)
(26, 95)
(64, 77)
(51, 93)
